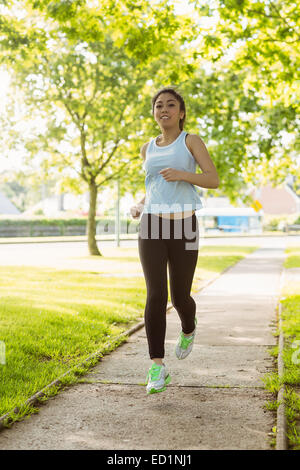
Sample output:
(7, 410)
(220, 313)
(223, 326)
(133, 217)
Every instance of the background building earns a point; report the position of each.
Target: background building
(278, 201)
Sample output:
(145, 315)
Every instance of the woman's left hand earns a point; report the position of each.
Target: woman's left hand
(171, 174)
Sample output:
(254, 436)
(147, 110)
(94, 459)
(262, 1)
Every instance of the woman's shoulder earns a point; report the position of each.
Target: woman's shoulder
(191, 140)
(144, 149)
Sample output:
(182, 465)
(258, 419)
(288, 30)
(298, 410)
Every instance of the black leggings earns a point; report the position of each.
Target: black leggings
(174, 242)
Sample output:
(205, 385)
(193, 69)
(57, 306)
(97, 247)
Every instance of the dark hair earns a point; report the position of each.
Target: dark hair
(177, 96)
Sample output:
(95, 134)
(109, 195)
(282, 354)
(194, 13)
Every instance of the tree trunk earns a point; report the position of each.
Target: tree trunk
(91, 225)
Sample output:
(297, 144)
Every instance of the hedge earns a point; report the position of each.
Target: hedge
(39, 227)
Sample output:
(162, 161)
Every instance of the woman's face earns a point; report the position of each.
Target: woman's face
(166, 111)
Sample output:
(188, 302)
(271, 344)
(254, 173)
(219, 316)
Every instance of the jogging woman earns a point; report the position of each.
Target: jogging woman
(168, 232)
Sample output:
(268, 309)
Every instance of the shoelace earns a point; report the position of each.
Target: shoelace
(185, 342)
(154, 372)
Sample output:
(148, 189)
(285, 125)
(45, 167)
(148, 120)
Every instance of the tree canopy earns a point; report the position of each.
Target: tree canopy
(263, 37)
(85, 72)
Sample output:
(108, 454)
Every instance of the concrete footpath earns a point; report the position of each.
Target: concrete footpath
(216, 399)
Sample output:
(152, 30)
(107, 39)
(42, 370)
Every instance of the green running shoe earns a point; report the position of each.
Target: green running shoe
(157, 379)
(185, 344)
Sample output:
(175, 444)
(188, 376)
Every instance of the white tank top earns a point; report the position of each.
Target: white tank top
(169, 196)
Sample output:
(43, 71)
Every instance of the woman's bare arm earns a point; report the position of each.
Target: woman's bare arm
(137, 209)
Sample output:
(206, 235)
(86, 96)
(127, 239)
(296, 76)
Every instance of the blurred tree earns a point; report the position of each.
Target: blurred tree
(86, 72)
(83, 90)
(261, 38)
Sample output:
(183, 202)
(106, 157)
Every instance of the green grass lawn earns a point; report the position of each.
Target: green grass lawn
(51, 320)
(293, 257)
(291, 353)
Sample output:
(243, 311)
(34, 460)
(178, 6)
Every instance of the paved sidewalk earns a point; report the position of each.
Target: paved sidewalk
(216, 397)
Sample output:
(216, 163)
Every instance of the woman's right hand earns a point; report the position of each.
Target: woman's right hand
(136, 210)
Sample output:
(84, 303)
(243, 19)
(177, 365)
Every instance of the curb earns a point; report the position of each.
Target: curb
(67, 239)
(83, 238)
(34, 399)
(281, 428)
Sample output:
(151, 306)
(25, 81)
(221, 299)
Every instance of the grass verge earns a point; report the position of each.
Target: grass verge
(290, 315)
(52, 320)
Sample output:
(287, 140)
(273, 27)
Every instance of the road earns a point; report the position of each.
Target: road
(27, 250)
(73, 255)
